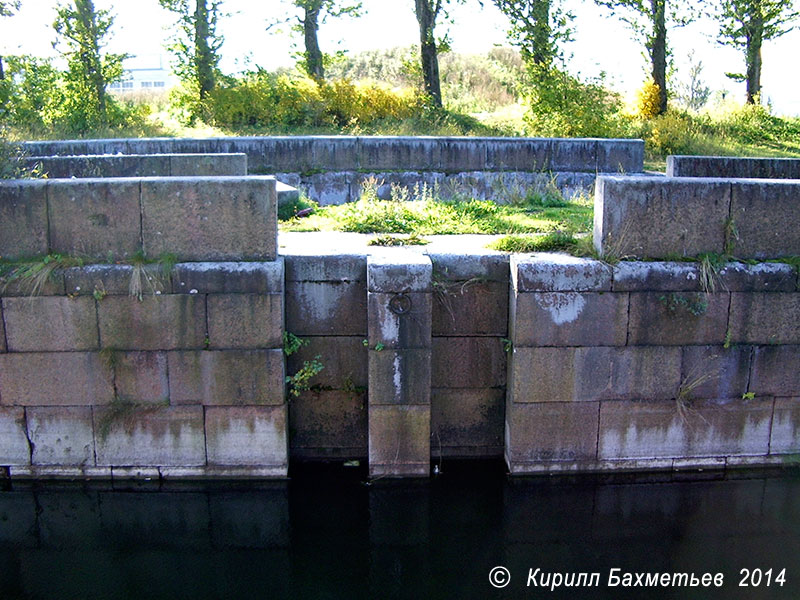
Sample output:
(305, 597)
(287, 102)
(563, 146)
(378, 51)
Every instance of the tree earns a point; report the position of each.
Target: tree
(537, 28)
(427, 12)
(747, 24)
(196, 46)
(694, 93)
(649, 19)
(312, 14)
(82, 29)
(6, 10)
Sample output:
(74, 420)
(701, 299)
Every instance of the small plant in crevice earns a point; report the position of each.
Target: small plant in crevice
(710, 266)
(749, 396)
(388, 239)
(299, 381)
(33, 274)
(676, 303)
(141, 275)
(731, 236)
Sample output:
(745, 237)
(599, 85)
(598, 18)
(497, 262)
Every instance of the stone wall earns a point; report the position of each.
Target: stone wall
(217, 218)
(729, 166)
(186, 381)
(657, 218)
(332, 169)
(139, 165)
(639, 367)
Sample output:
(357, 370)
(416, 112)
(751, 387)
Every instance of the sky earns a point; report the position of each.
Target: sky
(602, 43)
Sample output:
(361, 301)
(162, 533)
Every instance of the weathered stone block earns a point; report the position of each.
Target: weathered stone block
(716, 372)
(765, 318)
(477, 268)
(318, 266)
(461, 154)
(549, 431)
(570, 319)
(470, 308)
(684, 429)
(152, 436)
(331, 188)
(620, 156)
(399, 376)
(573, 155)
(559, 273)
(54, 379)
(328, 423)
(467, 422)
(326, 308)
(227, 377)
(117, 280)
(656, 217)
(396, 153)
(761, 277)
(344, 358)
(637, 276)
(468, 362)
(200, 165)
(220, 218)
(764, 213)
(19, 284)
(50, 324)
(594, 373)
(399, 441)
(399, 272)
(3, 347)
(729, 166)
(674, 319)
(245, 320)
(228, 278)
(141, 377)
(247, 435)
(94, 217)
(776, 371)
(785, 437)
(339, 152)
(399, 320)
(166, 322)
(519, 154)
(62, 435)
(23, 219)
(14, 448)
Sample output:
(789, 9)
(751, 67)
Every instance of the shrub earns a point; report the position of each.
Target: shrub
(648, 99)
(670, 133)
(562, 105)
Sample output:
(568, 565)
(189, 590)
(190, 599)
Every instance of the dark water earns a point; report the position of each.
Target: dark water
(325, 534)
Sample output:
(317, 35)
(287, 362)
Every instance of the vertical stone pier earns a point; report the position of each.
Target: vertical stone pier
(399, 303)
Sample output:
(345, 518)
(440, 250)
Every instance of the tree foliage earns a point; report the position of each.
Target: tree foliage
(311, 14)
(82, 30)
(537, 28)
(196, 44)
(650, 21)
(747, 24)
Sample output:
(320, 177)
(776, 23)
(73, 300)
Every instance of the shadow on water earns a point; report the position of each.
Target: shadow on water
(326, 534)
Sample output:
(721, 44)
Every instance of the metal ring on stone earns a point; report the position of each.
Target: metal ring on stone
(400, 304)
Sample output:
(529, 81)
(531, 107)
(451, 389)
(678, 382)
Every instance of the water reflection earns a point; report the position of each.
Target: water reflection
(327, 535)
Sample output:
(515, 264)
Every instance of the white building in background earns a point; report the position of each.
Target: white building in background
(146, 72)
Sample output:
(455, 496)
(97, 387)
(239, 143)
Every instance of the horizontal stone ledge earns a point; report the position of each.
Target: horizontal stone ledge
(546, 272)
(734, 167)
(139, 165)
(670, 467)
(305, 153)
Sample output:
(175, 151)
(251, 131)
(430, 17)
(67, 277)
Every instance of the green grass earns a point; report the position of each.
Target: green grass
(431, 216)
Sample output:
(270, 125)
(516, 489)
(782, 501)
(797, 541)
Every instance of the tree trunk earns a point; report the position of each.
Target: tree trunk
(541, 53)
(2, 72)
(91, 55)
(658, 51)
(755, 36)
(203, 57)
(314, 65)
(426, 17)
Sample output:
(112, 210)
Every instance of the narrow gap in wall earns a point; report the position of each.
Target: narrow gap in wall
(47, 217)
(5, 326)
(26, 429)
(628, 320)
(141, 218)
